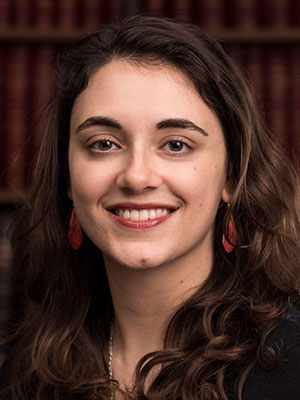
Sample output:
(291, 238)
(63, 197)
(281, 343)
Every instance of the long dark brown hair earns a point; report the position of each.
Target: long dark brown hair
(59, 331)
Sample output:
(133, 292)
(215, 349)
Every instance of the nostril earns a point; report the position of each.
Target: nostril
(137, 179)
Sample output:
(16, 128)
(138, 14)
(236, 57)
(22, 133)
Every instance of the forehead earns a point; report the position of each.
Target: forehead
(122, 76)
(141, 93)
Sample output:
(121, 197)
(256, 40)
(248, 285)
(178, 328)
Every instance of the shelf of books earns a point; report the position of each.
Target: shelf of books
(231, 35)
(263, 36)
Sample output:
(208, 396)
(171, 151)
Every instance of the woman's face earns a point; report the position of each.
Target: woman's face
(148, 166)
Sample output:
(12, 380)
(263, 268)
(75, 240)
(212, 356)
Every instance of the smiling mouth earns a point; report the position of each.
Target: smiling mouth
(141, 215)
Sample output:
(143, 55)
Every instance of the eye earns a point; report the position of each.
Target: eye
(177, 146)
(103, 145)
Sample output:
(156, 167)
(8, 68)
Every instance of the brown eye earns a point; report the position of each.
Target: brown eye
(175, 145)
(103, 145)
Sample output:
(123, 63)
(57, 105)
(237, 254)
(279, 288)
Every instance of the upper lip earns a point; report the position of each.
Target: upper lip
(139, 206)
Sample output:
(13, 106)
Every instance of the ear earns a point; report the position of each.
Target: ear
(227, 190)
(70, 193)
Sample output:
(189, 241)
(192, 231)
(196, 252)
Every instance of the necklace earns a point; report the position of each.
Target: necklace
(110, 355)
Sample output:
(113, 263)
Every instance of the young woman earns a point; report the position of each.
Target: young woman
(157, 256)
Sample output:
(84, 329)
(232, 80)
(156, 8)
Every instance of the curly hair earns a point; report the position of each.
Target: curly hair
(59, 330)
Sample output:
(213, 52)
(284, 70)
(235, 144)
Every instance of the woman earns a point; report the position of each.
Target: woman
(158, 253)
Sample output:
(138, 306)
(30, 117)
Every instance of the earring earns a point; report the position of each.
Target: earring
(232, 236)
(75, 231)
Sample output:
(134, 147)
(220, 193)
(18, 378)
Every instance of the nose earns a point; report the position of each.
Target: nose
(139, 173)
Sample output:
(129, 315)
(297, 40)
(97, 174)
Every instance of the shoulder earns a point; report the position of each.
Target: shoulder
(283, 380)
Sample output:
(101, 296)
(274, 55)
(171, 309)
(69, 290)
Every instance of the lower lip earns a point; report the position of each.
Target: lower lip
(150, 223)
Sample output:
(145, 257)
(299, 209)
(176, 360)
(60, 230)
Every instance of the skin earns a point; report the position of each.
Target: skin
(150, 271)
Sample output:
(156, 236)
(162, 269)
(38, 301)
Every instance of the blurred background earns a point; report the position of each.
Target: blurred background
(263, 36)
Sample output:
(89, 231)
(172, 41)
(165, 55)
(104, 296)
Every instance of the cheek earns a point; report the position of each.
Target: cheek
(200, 185)
(90, 180)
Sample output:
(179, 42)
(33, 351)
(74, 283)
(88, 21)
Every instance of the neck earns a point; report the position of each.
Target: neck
(144, 301)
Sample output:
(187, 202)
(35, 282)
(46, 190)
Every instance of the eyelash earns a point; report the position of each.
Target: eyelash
(188, 147)
(91, 146)
(182, 142)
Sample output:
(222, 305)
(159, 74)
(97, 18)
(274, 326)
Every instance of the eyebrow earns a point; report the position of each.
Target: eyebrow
(98, 121)
(178, 123)
(181, 124)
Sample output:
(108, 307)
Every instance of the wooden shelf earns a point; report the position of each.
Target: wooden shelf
(58, 35)
(259, 36)
(10, 197)
(36, 35)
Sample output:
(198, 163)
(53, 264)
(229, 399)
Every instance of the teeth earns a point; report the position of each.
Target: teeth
(142, 215)
(126, 213)
(134, 214)
(154, 214)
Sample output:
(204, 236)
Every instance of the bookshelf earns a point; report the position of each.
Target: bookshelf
(249, 32)
(229, 35)
(10, 197)
(35, 30)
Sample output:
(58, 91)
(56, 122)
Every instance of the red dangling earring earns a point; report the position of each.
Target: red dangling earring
(232, 236)
(75, 231)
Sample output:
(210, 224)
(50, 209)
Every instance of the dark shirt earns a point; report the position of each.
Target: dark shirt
(282, 382)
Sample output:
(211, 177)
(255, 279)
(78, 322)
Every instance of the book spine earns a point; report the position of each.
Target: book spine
(279, 10)
(195, 11)
(16, 80)
(111, 11)
(43, 14)
(276, 94)
(294, 13)
(212, 14)
(91, 13)
(272, 13)
(168, 9)
(153, 7)
(182, 9)
(40, 82)
(65, 14)
(254, 66)
(130, 7)
(4, 15)
(241, 14)
(21, 13)
(294, 118)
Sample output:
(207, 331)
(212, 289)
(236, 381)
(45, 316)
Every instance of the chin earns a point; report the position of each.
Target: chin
(134, 255)
(141, 261)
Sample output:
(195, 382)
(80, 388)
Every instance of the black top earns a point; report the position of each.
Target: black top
(280, 383)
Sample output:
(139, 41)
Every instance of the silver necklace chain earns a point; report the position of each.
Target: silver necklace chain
(110, 356)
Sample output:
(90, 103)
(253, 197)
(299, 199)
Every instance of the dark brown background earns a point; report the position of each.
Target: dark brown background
(262, 35)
